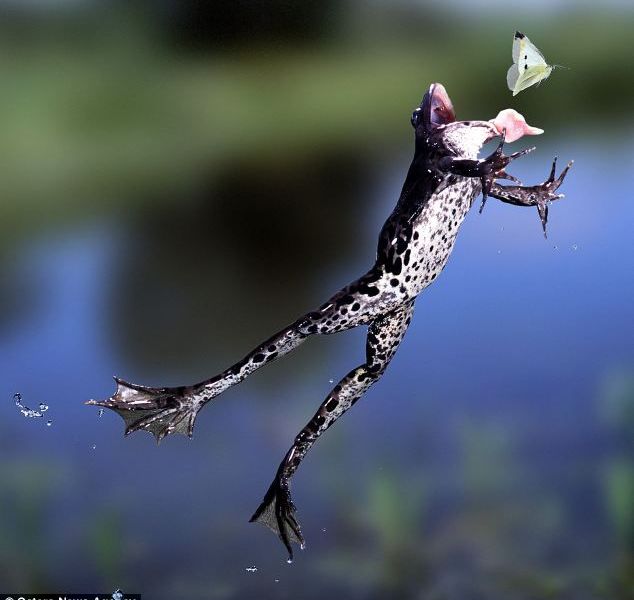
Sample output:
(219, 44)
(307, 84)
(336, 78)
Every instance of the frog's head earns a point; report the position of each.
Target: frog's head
(435, 125)
(435, 111)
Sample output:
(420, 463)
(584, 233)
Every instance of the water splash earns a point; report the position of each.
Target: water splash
(252, 569)
(100, 413)
(117, 595)
(29, 413)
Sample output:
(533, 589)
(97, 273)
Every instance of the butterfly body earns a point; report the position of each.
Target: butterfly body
(529, 65)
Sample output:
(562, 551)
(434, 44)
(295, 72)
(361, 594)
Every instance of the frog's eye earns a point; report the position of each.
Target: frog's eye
(416, 117)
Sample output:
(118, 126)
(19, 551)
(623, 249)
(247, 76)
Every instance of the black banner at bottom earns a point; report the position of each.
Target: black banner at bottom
(67, 596)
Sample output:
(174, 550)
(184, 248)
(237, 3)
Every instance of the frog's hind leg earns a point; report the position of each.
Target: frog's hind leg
(167, 410)
(277, 510)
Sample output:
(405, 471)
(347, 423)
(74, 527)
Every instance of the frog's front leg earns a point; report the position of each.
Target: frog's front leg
(536, 195)
(277, 510)
(486, 169)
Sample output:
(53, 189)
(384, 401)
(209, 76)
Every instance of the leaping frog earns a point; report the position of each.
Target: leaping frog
(414, 245)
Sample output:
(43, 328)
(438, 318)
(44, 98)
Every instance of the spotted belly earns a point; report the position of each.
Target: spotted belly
(434, 235)
(410, 257)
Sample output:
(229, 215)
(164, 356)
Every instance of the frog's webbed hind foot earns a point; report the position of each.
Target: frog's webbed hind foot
(277, 512)
(166, 410)
(161, 411)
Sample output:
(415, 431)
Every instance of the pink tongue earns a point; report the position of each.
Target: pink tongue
(514, 125)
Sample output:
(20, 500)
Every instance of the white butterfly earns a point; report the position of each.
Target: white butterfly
(529, 65)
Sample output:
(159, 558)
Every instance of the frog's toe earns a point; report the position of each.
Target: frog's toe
(161, 411)
(277, 512)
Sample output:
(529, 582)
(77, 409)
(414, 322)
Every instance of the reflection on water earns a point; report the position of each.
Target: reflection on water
(251, 251)
(491, 461)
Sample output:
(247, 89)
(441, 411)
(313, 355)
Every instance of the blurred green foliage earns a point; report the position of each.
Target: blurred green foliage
(27, 487)
(107, 112)
(617, 410)
(106, 541)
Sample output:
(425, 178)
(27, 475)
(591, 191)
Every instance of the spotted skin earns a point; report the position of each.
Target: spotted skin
(413, 248)
(537, 195)
(384, 336)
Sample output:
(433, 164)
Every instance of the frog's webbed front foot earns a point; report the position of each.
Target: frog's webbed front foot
(161, 411)
(486, 169)
(537, 195)
(277, 512)
(496, 164)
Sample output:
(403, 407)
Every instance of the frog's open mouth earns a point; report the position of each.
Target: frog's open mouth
(437, 107)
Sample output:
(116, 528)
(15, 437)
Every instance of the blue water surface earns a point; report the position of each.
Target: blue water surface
(486, 445)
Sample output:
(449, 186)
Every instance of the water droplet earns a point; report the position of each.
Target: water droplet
(100, 414)
(555, 248)
(117, 595)
(302, 546)
(93, 447)
(289, 561)
(323, 530)
(252, 569)
(502, 228)
(49, 423)
(29, 413)
(499, 251)
(331, 381)
(575, 247)
(276, 580)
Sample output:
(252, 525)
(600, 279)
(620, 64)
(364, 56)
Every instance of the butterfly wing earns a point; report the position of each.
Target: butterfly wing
(531, 76)
(517, 43)
(512, 76)
(527, 53)
(529, 65)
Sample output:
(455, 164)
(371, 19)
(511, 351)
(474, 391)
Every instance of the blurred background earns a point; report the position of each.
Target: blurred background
(180, 179)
